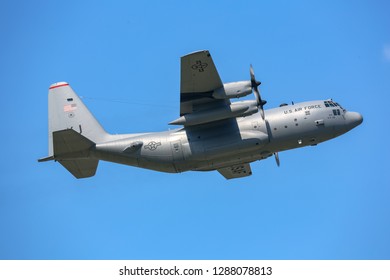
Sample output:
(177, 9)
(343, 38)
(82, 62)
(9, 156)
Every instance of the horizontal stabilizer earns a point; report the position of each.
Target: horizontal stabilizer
(46, 159)
(81, 168)
(71, 149)
(236, 171)
(69, 142)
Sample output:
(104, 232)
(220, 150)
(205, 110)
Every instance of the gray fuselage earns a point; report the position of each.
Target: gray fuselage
(237, 140)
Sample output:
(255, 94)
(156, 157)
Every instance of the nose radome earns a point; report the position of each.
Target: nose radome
(353, 119)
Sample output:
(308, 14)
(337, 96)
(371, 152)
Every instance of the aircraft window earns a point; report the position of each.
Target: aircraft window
(336, 112)
(330, 104)
(339, 106)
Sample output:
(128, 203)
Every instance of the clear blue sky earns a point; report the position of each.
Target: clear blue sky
(324, 202)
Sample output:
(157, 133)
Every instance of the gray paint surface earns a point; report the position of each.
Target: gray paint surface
(217, 134)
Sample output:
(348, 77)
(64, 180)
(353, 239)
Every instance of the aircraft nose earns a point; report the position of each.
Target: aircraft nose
(353, 119)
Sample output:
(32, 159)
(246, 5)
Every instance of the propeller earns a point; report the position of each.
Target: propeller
(260, 102)
(277, 158)
(255, 84)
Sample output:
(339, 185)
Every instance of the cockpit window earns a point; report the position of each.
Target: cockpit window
(340, 106)
(329, 103)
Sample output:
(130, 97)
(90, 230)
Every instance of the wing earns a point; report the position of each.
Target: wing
(199, 79)
(236, 171)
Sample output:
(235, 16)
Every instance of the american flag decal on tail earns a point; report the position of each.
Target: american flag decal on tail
(70, 107)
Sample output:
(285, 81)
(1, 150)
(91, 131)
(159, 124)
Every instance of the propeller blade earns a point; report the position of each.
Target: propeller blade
(277, 158)
(255, 84)
(252, 74)
(257, 95)
(262, 112)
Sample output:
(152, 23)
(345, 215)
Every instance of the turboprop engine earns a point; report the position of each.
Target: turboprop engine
(233, 90)
(236, 109)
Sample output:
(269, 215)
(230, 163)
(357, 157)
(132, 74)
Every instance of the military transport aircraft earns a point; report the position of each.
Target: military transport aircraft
(216, 133)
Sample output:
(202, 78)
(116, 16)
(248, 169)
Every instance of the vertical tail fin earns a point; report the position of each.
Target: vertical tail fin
(73, 132)
(67, 111)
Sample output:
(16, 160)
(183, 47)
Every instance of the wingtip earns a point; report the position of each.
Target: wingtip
(196, 52)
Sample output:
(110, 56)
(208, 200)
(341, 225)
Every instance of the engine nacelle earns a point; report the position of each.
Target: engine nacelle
(237, 109)
(233, 90)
